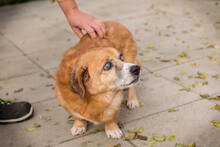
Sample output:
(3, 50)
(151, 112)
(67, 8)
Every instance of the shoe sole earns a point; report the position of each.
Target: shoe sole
(18, 119)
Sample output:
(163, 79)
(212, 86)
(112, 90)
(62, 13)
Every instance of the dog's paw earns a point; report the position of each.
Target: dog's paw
(77, 131)
(132, 104)
(115, 134)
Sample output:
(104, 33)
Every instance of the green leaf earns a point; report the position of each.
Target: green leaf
(48, 110)
(171, 138)
(136, 130)
(160, 139)
(185, 89)
(172, 110)
(150, 142)
(47, 118)
(30, 129)
(216, 123)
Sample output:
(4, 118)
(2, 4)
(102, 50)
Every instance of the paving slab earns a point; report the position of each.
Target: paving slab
(7, 49)
(157, 94)
(188, 75)
(16, 66)
(32, 88)
(191, 123)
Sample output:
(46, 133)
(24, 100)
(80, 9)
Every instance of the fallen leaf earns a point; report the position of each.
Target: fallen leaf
(176, 78)
(141, 103)
(185, 89)
(182, 54)
(201, 75)
(213, 46)
(173, 110)
(18, 90)
(120, 125)
(36, 125)
(179, 62)
(143, 59)
(193, 144)
(129, 137)
(71, 121)
(216, 123)
(193, 85)
(151, 142)
(49, 85)
(142, 87)
(47, 118)
(150, 46)
(160, 139)
(1, 87)
(117, 145)
(21, 42)
(171, 138)
(98, 130)
(30, 129)
(216, 76)
(182, 73)
(136, 130)
(157, 75)
(195, 64)
(48, 110)
(187, 46)
(217, 107)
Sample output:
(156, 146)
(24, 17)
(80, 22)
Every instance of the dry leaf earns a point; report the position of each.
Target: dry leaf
(176, 78)
(18, 90)
(36, 125)
(30, 129)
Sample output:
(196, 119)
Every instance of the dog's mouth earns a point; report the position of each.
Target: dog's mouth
(132, 82)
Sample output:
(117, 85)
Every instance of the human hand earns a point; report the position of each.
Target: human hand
(79, 21)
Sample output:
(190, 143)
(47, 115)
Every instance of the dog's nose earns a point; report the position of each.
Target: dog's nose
(135, 70)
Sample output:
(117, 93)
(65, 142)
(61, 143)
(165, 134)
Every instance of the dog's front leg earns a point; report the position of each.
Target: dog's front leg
(132, 98)
(79, 127)
(112, 130)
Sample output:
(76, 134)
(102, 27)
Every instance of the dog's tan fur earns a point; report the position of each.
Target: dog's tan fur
(94, 101)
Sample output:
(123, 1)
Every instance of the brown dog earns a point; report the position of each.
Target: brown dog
(92, 75)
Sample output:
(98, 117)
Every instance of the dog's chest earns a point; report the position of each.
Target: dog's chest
(114, 103)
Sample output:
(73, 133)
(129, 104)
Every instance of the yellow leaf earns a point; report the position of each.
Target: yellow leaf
(195, 64)
(150, 143)
(193, 144)
(160, 139)
(187, 46)
(136, 130)
(182, 54)
(21, 42)
(150, 46)
(172, 110)
(141, 103)
(216, 123)
(179, 62)
(30, 129)
(171, 138)
(182, 73)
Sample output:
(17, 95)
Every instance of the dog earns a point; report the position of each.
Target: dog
(92, 75)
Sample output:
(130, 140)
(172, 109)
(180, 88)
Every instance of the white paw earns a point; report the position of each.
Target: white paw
(77, 131)
(132, 104)
(115, 134)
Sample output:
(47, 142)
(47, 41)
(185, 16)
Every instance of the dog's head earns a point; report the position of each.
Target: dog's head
(101, 70)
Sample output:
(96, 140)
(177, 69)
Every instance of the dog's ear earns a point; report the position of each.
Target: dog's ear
(78, 79)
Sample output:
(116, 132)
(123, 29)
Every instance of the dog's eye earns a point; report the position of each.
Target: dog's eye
(107, 66)
(121, 57)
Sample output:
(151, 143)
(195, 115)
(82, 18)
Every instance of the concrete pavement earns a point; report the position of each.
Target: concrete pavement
(178, 47)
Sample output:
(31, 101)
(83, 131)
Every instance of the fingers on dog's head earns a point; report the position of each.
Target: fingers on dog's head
(78, 78)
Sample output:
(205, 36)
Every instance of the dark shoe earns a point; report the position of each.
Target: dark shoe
(11, 112)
